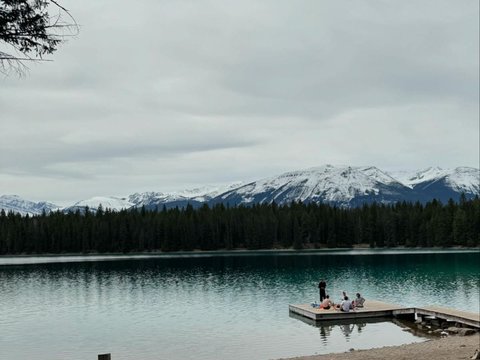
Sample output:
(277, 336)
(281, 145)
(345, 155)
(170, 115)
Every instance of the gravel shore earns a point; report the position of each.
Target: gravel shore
(449, 348)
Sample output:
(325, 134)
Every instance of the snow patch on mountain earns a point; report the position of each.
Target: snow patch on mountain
(378, 175)
(464, 179)
(333, 184)
(24, 207)
(151, 197)
(412, 178)
(200, 194)
(460, 179)
(107, 202)
(214, 191)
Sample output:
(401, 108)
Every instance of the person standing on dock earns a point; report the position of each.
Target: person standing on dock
(322, 286)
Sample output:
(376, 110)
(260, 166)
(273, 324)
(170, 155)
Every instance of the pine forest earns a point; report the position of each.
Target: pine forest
(264, 226)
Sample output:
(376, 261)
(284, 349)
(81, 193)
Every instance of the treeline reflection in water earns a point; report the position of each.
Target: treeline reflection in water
(237, 305)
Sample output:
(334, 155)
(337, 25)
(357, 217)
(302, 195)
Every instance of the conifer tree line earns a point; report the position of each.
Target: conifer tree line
(263, 226)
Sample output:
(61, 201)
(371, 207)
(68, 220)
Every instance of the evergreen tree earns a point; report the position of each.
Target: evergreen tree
(256, 227)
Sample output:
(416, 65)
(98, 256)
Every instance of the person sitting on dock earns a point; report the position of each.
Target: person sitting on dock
(346, 305)
(344, 294)
(342, 298)
(326, 303)
(358, 302)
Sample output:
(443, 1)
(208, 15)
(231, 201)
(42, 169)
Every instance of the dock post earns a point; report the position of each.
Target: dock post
(418, 318)
(104, 357)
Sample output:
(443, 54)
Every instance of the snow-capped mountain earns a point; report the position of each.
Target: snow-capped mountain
(21, 206)
(346, 186)
(156, 200)
(443, 184)
(107, 202)
(341, 185)
(207, 193)
(195, 197)
(464, 179)
(459, 179)
(411, 178)
(378, 175)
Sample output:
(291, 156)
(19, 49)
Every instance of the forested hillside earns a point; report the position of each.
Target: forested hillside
(257, 227)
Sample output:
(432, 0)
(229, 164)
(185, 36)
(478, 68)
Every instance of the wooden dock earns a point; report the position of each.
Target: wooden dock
(370, 310)
(451, 315)
(376, 309)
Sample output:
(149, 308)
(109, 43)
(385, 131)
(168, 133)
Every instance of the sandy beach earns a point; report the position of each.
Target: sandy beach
(449, 348)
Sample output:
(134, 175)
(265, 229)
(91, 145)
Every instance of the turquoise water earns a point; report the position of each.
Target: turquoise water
(223, 306)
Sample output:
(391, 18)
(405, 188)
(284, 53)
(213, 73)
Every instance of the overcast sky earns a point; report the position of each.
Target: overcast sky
(165, 95)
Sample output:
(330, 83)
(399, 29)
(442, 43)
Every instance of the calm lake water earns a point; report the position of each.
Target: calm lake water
(230, 306)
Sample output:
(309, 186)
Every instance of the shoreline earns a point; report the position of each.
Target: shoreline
(360, 249)
(448, 348)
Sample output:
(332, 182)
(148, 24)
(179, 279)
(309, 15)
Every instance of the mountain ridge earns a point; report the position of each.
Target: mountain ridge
(25, 207)
(345, 186)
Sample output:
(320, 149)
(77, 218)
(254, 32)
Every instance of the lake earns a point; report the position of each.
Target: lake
(215, 306)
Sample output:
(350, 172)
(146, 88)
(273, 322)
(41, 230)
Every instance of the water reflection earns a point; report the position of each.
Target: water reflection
(347, 327)
(237, 305)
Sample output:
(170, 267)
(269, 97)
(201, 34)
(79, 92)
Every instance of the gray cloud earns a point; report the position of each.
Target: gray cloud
(164, 95)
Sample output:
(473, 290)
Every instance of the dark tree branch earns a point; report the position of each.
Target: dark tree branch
(27, 27)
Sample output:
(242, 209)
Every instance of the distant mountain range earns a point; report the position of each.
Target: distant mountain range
(345, 186)
(18, 205)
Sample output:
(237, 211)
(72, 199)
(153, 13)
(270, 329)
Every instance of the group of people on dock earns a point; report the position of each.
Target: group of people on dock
(345, 303)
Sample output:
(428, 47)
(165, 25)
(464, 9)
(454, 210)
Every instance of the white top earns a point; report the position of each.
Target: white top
(346, 304)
